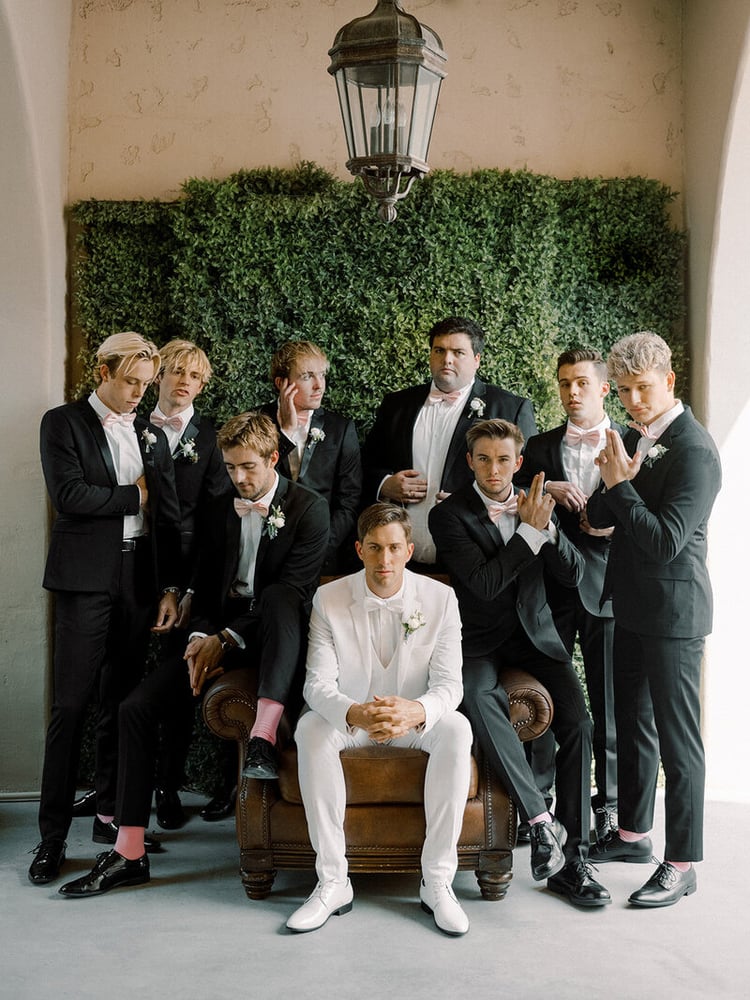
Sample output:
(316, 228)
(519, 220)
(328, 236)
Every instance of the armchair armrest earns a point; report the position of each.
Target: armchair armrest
(531, 707)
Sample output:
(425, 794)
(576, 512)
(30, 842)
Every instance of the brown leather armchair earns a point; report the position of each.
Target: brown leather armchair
(384, 824)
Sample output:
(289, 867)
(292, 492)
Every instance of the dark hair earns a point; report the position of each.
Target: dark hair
(496, 429)
(578, 354)
(379, 514)
(459, 324)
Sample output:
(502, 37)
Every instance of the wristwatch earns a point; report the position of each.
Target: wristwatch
(227, 642)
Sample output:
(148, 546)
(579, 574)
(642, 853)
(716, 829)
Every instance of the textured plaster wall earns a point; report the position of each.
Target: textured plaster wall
(161, 90)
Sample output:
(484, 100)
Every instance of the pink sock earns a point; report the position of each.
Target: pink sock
(681, 866)
(541, 818)
(129, 842)
(267, 719)
(628, 837)
(104, 819)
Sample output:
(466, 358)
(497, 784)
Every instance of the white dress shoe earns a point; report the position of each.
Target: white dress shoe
(439, 899)
(325, 899)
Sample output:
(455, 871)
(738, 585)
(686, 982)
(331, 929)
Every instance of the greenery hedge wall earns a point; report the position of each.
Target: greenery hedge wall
(242, 264)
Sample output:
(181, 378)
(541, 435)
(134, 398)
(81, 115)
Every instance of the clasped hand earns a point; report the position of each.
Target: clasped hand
(203, 656)
(386, 718)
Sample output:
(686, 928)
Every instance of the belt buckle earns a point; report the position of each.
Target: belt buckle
(128, 545)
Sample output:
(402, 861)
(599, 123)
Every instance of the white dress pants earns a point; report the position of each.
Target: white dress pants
(321, 779)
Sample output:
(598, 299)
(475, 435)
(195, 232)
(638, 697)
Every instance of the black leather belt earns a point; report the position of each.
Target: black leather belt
(129, 544)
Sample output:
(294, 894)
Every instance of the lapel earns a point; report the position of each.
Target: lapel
(408, 417)
(411, 604)
(265, 540)
(457, 447)
(193, 428)
(361, 623)
(95, 426)
(478, 512)
(233, 527)
(310, 445)
(557, 469)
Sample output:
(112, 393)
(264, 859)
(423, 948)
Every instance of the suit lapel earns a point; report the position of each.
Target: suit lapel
(457, 447)
(361, 624)
(265, 538)
(95, 426)
(310, 444)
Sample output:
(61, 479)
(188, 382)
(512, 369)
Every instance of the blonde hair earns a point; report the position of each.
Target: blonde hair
(292, 351)
(122, 351)
(184, 354)
(250, 430)
(639, 352)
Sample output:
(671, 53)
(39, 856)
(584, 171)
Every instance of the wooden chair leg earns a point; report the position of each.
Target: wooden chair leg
(493, 885)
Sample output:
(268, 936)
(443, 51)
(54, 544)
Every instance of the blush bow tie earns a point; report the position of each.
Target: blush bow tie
(174, 422)
(509, 507)
(438, 396)
(395, 604)
(112, 419)
(574, 435)
(243, 507)
(643, 430)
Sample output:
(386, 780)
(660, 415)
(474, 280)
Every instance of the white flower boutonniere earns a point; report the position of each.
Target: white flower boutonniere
(477, 407)
(186, 450)
(317, 434)
(654, 454)
(415, 621)
(149, 440)
(275, 522)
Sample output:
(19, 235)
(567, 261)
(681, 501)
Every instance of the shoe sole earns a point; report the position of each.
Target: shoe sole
(586, 904)
(259, 775)
(136, 880)
(346, 908)
(645, 859)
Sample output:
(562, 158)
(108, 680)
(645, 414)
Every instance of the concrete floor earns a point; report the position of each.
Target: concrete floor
(192, 933)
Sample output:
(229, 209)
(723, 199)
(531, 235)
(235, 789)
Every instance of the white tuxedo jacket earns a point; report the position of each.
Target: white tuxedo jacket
(340, 656)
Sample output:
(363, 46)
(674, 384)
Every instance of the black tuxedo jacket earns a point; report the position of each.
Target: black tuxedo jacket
(85, 549)
(481, 567)
(292, 559)
(388, 446)
(332, 467)
(198, 481)
(544, 454)
(657, 572)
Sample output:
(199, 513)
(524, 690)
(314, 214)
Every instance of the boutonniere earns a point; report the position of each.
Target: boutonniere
(149, 440)
(654, 454)
(317, 434)
(186, 450)
(476, 407)
(415, 621)
(275, 522)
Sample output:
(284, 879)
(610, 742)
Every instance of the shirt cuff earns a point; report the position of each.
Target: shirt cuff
(534, 538)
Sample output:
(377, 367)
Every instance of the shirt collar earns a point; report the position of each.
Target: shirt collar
(657, 428)
(100, 409)
(486, 500)
(601, 426)
(185, 415)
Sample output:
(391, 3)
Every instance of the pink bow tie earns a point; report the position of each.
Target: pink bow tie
(643, 430)
(438, 396)
(174, 422)
(509, 506)
(126, 419)
(243, 507)
(574, 435)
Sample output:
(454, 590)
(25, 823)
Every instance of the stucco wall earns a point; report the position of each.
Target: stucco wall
(167, 89)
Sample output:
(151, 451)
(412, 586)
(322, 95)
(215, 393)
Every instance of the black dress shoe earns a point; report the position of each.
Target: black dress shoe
(220, 806)
(106, 833)
(666, 886)
(260, 760)
(605, 822)
(169, 812)
(523, 834)
(547, 842)
(577, 883)
(613, 848)
(45, 867)
(111, 869)
(85, 805)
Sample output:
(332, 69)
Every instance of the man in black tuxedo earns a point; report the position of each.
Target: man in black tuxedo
(114, 567)
(317, 448)
(567, 456)
(658, 487)
(261, 553)
(415, 452)
(498, 546)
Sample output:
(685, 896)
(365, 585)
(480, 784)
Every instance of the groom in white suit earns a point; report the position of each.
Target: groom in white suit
(383, 666)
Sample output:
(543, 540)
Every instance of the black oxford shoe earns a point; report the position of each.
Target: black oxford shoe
(547, 842)
(665, 887)
(577, 883)
(110, 871)
(605, 822)
(169, 812)
(612, 848)
(220, 806)
(45, 867)
(260, 760)
(85, 805)
(106, 833)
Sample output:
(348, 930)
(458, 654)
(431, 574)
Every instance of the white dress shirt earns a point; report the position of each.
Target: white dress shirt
(510, 524)
(578, 458)
(174, 435)
(126, 456)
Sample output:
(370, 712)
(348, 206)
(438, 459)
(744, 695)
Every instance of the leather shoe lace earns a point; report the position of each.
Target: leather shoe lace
(327, 899)
(111, 870)
(50, 855)
(439, 899)
(260, 760)
(576, 881)
(665, 887)
(605, 822)
(547, 842)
